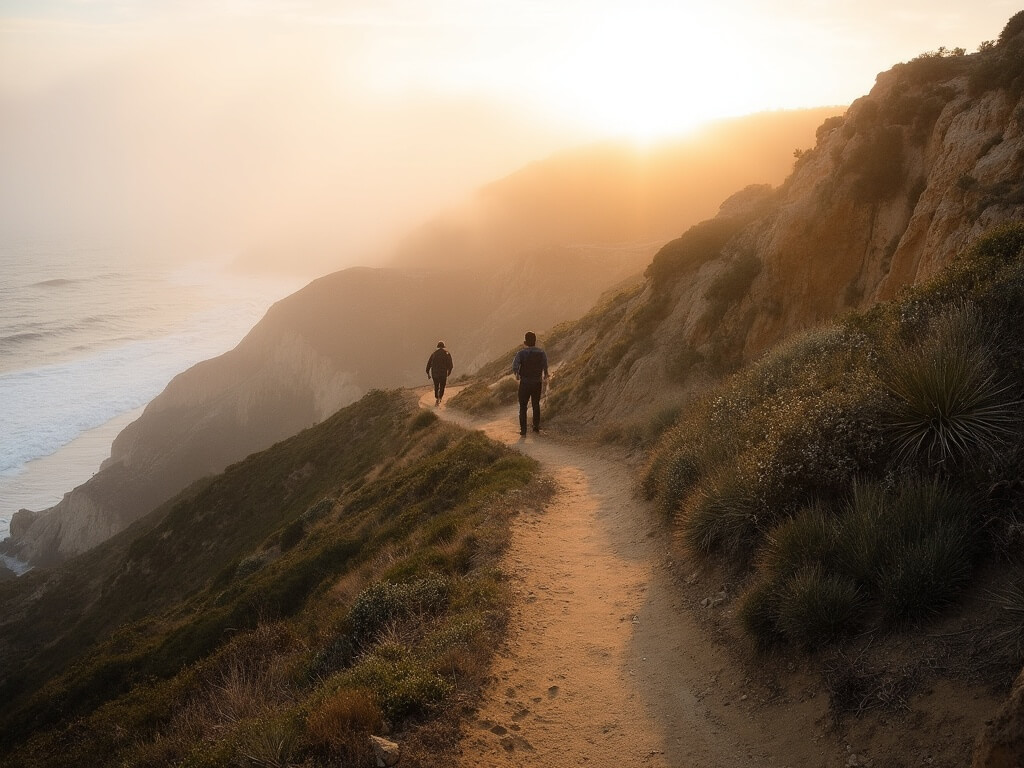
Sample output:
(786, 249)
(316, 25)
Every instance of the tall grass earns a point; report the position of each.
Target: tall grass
(949, 404)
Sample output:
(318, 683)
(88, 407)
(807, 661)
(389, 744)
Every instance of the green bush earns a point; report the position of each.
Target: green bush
(721, 515)
(384, 603)
(699, 243)
(806, 540)
(422, 420)
(319, 510)
(816, 606)
(1013, 28)
(402, 684)
(759, 613)
(876, 165)
(733, 283)
(1001, 68)
(913, 548)
(949, 404)
(1009, 624)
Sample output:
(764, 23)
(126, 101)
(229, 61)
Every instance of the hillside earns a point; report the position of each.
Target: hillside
(336, 585)
(477, 288)
(614, 193)
(931, 159)
(833, 368)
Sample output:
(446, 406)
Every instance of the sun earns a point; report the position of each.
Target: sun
(629, 77)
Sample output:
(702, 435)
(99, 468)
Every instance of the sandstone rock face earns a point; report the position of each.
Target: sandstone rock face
(892, 191)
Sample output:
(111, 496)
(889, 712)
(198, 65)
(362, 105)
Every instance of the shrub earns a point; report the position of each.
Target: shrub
(321, 508)
(699, 243)
(721, 515)
(808, 539)
(480, 398)
(402, 684)
(759, 612)
(1013, 27)
(1009, 624)
(386, 602)
(422, 420)
(342, 723)
(913, 548)
(1001, 68)
(815, 606)
(292, 534)
(948, 403)
(924, 575)
(876, 165)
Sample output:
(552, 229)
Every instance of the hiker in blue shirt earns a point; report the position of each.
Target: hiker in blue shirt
(530, 368)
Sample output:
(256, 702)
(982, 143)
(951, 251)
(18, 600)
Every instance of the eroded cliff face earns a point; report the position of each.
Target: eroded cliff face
(890, 193)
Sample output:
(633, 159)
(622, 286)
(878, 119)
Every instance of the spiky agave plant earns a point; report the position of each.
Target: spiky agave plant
(948, 404)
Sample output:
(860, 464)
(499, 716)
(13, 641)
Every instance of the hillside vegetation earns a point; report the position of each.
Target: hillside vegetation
(863, 472)
(890, 193)
(340, 584)
(825, 383)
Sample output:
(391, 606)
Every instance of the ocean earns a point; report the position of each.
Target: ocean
(88, 336)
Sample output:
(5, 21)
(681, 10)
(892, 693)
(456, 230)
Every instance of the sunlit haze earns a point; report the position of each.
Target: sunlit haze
(318, 131)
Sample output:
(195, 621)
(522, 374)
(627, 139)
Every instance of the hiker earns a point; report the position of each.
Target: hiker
(439, 366)
(531, 371)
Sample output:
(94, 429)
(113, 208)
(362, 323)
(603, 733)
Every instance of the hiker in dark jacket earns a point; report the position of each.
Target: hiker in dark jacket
(531, 371)
(439, 366)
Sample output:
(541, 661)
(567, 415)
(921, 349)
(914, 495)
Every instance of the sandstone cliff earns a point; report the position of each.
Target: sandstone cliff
(891, 191)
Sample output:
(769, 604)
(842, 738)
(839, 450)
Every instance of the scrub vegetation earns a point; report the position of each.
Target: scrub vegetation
(859, 474)
(342, 583)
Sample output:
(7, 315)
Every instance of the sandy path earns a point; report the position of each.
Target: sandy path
(602, 666)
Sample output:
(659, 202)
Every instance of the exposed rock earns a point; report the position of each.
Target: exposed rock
(387, 752)
(21, 522)
(891, 193)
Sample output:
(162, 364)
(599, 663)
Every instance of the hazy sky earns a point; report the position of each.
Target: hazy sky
(320, 127)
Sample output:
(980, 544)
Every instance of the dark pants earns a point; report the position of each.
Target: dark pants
(529, 390)
(439, 386)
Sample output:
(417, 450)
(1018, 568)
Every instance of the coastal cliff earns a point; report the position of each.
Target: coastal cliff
(532, 250)
(891, 192)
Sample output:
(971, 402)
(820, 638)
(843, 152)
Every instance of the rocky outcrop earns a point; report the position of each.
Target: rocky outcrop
(892, 191)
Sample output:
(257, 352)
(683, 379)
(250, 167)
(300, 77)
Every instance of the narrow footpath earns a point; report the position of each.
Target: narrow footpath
(603, 666)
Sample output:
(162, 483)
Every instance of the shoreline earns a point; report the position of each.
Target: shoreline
(42, 482)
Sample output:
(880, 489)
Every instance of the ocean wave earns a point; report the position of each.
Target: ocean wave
(48, 406)
(17, 338)
(57, 282)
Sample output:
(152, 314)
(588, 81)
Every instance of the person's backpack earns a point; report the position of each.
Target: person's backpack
(440, 363)
(532, 365)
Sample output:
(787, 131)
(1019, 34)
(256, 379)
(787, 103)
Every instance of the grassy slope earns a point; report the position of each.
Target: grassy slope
(341, 580)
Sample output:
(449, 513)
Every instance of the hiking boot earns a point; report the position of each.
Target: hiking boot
(536, 429)
(437, 401)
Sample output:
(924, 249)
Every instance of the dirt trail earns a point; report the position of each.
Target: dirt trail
(603, 666)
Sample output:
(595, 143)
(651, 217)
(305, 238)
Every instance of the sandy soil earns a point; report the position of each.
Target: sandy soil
(605, 665)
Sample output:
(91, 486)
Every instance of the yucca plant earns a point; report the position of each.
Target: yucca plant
(948, 403)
